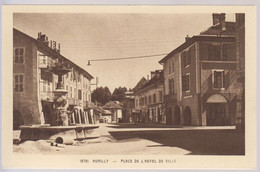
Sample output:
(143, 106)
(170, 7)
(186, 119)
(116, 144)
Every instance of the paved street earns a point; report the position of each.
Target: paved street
(130, 139)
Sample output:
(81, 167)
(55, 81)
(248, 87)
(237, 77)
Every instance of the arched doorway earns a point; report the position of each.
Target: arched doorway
(217, 111)
(177, 116)
(17, 119)
(169, 116)
(187, 116)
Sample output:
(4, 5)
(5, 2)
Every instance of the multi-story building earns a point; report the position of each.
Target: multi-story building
(200, 77)
(149, 99)
(136, 113)
(115, 108)
(33, 82)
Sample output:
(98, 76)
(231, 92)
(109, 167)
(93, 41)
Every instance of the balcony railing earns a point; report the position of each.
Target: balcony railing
(170, 98)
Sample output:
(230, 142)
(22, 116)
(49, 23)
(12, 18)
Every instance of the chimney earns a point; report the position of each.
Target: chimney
(152, 74)
(58, 50)
(46, 42)
(218, 18)
(51, 44)
(187, 38)
(157, 73)
(39, 35)
(148, 77)
(54, 45)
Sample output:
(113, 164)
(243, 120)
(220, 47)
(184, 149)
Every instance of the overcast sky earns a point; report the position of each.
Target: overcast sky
(86, 37)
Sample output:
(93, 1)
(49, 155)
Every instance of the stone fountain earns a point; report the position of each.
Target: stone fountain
(60, 97)
(60, 130)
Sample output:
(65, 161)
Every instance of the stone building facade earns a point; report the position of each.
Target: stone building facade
(201, 78)
(149, 99)
(33, 82)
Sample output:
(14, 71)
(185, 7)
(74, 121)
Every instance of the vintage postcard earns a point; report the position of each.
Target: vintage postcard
(154, 87)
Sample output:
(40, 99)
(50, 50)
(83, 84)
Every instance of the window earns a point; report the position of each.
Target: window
(171, 86)
(18, 55)
(75, 92)
(79, 94)
(44, 86)
(79, 78)
(71, 92)
(172, 66)
(49, 86)
(186, 82)
(154, 98)
(44, 60)
(149, 99)
(218, 79)
(67, 87)
(145, 100)
(18, 82)
(160, 96)
(136, 102)
(214, 52)
(186, 58)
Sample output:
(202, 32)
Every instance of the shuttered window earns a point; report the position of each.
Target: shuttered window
(19, 82)
(218, 79)
(186, 82)
(19, 55)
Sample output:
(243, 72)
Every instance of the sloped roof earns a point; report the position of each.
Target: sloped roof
(107, 112)
(140, 84)
(212, 38)
(216, 29)
(158, 78)
(54, 53)
(112, 105)
(210, 34)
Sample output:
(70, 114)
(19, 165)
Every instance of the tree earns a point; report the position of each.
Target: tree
(101, 95)
(119, 94)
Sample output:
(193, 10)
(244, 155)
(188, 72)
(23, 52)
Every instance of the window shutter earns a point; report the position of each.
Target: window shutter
(184, 58)
(226, 79)
(183, 83)
(188, 57)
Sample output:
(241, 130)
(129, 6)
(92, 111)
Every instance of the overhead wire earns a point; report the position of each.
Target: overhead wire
(154, 55)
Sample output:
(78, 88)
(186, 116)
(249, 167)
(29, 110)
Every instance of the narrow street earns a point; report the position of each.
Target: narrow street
(133, 139)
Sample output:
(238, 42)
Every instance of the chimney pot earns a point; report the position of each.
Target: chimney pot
(152, 74)
(218, 18)
(187, 38)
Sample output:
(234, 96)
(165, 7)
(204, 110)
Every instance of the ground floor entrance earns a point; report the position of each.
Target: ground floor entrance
(217, 114)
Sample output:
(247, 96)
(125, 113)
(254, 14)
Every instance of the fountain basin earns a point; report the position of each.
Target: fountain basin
(67, 133)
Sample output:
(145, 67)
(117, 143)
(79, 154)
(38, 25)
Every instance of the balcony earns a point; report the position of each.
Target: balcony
(170, 98)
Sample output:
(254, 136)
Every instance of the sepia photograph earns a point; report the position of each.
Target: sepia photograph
(128, 83)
